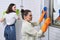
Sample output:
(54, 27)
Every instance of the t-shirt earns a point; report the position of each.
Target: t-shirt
(10, 18)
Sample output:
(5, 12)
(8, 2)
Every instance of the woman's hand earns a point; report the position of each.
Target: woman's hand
(46, 24)
(42, 16)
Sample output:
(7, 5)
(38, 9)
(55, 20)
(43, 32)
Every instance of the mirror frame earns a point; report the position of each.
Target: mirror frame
(51, 6)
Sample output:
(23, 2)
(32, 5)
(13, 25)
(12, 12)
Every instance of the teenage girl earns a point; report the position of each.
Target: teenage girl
(10, 17)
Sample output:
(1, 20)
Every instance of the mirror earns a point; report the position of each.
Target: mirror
(55, 12)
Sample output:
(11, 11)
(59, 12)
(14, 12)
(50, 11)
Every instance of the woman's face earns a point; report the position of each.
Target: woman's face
(29, 16)
(14, 8)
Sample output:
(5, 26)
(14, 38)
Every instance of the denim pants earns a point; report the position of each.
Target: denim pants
(10, 32)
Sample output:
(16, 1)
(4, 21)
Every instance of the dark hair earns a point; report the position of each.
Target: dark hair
(10, 8)
(24, 12)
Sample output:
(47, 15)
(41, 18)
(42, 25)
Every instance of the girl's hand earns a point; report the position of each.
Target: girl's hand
(2, 19)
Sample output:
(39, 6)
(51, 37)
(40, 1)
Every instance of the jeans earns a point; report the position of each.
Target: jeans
(10, 32)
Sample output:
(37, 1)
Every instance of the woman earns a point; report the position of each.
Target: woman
(27, 31)
(10, 17)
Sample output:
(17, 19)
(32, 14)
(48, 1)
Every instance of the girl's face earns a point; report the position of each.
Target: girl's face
(29, 16)
(14, 8)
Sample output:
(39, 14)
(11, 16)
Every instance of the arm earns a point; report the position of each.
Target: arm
(35, 23)
(41, 17)
(32, 32)
(46, 24)
(3, 17)
(17, 17)
(44, 27)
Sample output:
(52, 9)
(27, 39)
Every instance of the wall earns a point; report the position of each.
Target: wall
(54, 33)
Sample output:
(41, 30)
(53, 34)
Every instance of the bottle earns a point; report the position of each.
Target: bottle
(59, 12)
(45, 9)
